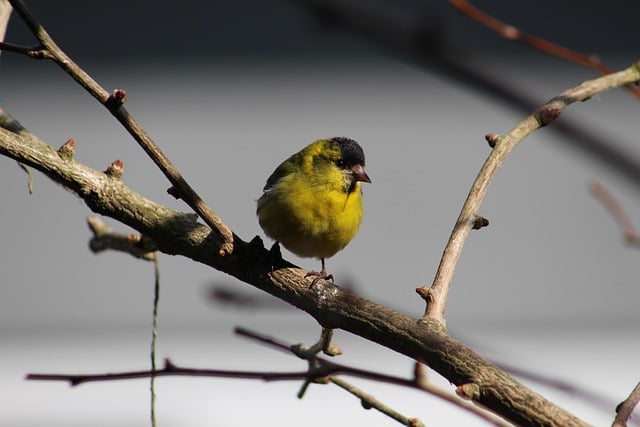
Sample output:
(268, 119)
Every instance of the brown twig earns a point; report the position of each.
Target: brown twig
(320, 371)
(323, 345)
(368, 402)
(512, 33)
(625, 409)
(48, 49)
(616, 210)
(418, 382)
(169, 369)
(105, 239)
(436, 295)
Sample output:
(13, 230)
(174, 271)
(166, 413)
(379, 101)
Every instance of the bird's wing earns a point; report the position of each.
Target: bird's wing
(289, 166)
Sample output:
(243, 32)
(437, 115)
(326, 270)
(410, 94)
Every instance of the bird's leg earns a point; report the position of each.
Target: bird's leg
(319, 275)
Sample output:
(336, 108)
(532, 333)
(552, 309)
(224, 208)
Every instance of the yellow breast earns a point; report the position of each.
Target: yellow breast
(311, 218)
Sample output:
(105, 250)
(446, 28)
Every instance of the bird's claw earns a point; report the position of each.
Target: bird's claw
(319, 275)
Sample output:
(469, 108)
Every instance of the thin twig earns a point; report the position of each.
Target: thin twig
(169, 370)
(512, 33)
(26, 170)
(323, 344)
(625, 409)
(320, 371)
(114, 103)
(418, 382)
(436, 295)
(105, 239)
(368, 402)
(616, 210)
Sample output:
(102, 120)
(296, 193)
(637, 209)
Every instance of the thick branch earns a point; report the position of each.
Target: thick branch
(114, 103)
(179, 234)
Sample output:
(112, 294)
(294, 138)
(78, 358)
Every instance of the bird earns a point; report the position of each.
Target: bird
(312, 203)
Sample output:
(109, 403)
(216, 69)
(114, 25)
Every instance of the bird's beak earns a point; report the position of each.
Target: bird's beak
(358, 174)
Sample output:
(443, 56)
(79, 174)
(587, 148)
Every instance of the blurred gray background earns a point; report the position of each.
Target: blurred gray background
(228, 90)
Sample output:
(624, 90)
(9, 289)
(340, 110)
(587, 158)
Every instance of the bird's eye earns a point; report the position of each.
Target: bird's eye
(340, 163)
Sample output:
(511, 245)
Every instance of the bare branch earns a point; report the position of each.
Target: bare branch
(625, 409)
(114, 103)
(105, 239)
(320, 370)
(436, 296)
(617, 212)
(169, 370)
(368, 402)
(512, 33)
(324, 345)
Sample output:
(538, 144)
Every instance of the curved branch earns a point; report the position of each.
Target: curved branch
(177, 233)
(436, 295)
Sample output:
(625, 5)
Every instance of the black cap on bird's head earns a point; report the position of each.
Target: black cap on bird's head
(351, 151)
(352, 158)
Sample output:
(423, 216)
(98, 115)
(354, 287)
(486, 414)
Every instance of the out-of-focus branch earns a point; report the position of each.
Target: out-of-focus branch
(512, 33)
(616, 210)
(48, 49)
(320, 370)
(436, 295)
(408, 35)
(169, 369)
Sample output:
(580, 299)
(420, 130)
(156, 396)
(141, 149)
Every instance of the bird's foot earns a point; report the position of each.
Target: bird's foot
(319, 275)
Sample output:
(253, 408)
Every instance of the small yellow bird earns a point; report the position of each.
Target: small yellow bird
(312, 202)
